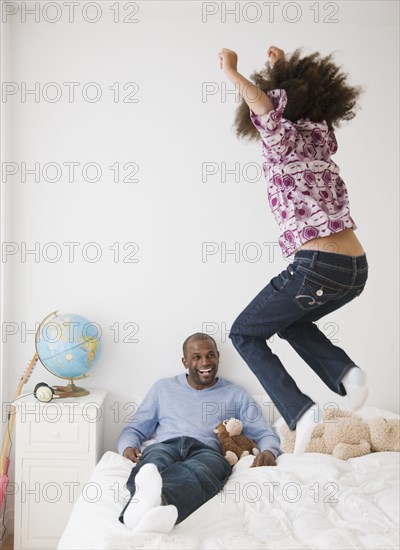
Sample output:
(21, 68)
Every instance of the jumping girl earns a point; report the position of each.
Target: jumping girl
(293, 107)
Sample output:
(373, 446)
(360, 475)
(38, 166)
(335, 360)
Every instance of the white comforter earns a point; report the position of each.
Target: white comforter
(312, 501)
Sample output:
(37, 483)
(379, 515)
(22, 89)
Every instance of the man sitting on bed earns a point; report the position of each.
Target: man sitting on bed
(185, 468)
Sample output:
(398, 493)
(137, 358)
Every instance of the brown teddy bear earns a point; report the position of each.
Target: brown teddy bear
(346, 435)
(234, 445)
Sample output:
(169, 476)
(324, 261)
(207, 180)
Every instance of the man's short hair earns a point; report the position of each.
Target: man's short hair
(195, 337)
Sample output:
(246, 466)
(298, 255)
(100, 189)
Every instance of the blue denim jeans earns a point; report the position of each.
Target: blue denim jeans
(315, 284)
(191, 472)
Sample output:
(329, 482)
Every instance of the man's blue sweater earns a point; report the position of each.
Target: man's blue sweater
(173, 408)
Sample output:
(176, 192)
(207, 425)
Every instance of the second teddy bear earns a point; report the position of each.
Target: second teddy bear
(346, 435)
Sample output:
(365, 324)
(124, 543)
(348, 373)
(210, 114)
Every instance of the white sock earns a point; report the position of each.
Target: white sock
(160, 519)
(355, 384)
(305, 427)
(148, 495)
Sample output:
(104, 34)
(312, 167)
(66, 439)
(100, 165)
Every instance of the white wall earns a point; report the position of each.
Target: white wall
(171, 132)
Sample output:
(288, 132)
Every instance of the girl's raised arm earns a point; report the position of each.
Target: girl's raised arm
(255, 98)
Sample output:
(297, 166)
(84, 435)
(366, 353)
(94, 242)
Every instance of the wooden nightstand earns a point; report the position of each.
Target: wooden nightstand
(57, 445)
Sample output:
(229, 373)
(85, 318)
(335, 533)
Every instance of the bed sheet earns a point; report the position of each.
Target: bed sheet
(309, 502)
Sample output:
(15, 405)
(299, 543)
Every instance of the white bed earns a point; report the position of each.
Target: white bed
(313, 501)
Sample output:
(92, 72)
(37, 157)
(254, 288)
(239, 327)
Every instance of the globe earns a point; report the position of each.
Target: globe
(68, 346)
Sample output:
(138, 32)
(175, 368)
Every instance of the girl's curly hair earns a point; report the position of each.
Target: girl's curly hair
(316, 88)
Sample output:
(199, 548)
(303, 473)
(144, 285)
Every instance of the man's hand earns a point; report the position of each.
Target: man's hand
(132, 453)
(228, 60)
(266, 458)
(275, 54)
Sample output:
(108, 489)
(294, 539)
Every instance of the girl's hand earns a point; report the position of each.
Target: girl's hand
(275, 54)
(228, 60)
(255, 98)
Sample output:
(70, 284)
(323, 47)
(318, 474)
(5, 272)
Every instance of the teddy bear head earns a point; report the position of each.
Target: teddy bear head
(229, 428)
(385, 434)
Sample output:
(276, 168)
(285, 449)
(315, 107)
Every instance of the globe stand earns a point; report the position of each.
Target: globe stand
(76, 391)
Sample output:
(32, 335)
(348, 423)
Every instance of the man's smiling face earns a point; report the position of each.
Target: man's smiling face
(201, 360)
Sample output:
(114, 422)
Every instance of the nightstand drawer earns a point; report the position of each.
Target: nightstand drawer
(61, 436)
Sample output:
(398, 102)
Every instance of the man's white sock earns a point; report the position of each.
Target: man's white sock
(148, 495)
(305, 427)
(355, 384)
(160, 519)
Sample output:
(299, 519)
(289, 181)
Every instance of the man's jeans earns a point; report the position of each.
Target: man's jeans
(315, 284)
(191, 472)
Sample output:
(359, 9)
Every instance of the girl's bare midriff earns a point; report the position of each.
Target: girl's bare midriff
(344, 242)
